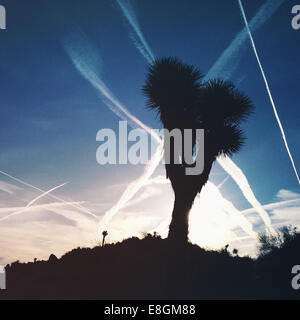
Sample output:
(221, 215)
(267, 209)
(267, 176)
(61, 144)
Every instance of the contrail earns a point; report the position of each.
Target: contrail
(77, 206)
(227, 206)
(7, 187)
(237, 174)
(220, 185)
(264, 13)
(55, 207)
(139, 40)
(51, 205)
(229, 59)
(136, 185)
(268, 90)
(274, 205)
(32, 202)
(73, 46)
(232, 211)
(224, 67)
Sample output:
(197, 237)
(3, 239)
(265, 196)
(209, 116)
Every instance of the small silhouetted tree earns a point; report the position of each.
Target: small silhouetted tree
(104, 235)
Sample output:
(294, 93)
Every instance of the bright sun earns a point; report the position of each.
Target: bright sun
(213, 218)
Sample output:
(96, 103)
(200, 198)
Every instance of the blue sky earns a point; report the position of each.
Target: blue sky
(50, 114)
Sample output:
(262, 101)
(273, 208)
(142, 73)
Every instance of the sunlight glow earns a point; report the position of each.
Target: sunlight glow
(213, 218)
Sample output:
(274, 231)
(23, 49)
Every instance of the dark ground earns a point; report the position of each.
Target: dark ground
(153, 268)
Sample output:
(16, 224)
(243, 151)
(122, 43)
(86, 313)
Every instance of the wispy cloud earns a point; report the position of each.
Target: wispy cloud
(286, 203)
(287, 194)
(8, 188)
(32, 202)
(40, 206)
(77, 206)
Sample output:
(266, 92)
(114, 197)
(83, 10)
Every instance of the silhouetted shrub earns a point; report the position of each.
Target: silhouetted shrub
(272, 242)
(278, 253)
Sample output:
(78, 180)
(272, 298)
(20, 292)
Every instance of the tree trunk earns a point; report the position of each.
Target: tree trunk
(185, 189)
(179, 227)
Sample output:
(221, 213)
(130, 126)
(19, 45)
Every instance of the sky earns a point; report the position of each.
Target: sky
(50, 115)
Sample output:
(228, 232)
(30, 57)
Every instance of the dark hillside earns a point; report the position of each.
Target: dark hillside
(153, 268)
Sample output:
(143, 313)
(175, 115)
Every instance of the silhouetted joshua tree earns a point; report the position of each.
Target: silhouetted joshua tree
(104, 234)
(182, 101)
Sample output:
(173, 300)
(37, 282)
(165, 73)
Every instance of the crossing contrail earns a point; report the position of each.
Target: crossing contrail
(261, 17)
(229, 59)
(77, 206)
(74, 45)
(227, 206)
(136, 185)
(89, 73)
(32, 202)
(268, 89)
(237, 174)
(137, 37)
(232, 211)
